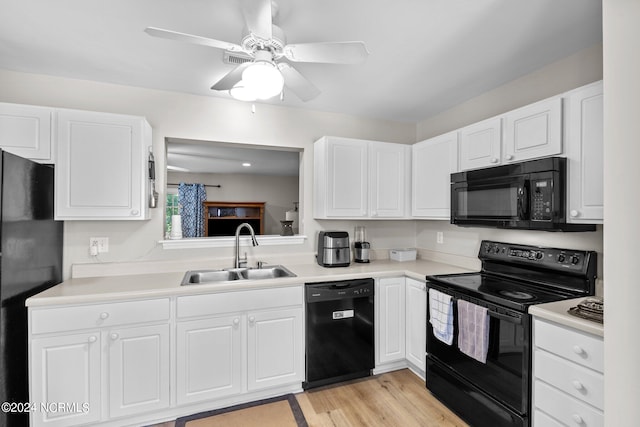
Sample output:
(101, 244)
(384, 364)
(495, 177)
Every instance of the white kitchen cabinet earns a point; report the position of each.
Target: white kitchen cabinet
(533, 131)
(568, 380)
(105, 360)
(584, 151)
(390, 320)
(389, 179)
(275, 348)
(139, 367)
(416, 323)
(25, 130)
(101, 166)
(356, 178)
(530, 132)
(480, 144)
(66, 369)
(237, 342)
(433, 162)
(209, 355)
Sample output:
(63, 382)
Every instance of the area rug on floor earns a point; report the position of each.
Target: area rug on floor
(282, 411)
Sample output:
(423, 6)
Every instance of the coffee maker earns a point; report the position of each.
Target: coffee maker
(360, 245)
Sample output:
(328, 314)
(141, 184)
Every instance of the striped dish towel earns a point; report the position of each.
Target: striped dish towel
(441, 315)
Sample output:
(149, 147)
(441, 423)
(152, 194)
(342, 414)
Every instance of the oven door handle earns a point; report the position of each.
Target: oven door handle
(511, 319)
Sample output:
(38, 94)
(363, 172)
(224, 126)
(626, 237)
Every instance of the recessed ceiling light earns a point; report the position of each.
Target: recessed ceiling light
(246, 164)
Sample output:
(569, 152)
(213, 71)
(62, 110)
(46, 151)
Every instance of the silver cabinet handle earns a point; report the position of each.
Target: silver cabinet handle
(114, 336)
(104, 315)
(236, 321)
(252, 320)
(93, 339)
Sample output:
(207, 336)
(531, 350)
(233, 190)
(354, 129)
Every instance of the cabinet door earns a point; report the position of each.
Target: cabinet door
(434, 160)
(209, 358)
(390, 297)
(138, 370)
(480, 144)
(275, 348)
(347, 178)
(25, 131)
(533, 131)
(416, 323)
(389, 172)
(66, 369)
(101, 166)
(584, 148)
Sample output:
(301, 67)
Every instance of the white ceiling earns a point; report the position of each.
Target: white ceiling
(425, 55)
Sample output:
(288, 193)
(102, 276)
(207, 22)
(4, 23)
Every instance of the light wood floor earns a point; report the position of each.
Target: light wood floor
(393, 399)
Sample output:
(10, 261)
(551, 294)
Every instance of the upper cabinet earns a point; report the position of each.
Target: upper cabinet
(527, 133)
(101, 166)
(25, 130)
(533, 131)
(434, 160)
(584, 151)
(360, 179)
(480, 144)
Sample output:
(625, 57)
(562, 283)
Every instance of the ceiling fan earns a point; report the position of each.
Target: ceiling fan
(265, 73)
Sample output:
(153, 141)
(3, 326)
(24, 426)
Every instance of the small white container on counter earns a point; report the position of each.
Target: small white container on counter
(406, 254)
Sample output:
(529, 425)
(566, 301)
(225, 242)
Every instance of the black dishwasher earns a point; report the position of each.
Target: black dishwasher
(339, 331)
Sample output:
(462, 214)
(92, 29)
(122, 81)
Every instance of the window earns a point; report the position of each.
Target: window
(172, 208)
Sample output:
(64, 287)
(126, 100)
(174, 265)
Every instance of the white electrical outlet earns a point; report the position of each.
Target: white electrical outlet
(98, 245)
(440, 237)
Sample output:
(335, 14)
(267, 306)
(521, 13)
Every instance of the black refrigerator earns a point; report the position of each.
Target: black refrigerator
(30, 262)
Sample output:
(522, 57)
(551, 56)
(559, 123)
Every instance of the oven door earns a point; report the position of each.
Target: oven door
(505, 376)
(498, 202)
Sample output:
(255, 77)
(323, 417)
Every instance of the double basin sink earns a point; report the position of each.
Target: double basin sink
(195, 277)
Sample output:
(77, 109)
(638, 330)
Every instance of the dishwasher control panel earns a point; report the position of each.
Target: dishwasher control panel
(345, 289)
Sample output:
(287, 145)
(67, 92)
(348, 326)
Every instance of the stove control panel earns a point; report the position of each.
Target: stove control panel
(553, 258)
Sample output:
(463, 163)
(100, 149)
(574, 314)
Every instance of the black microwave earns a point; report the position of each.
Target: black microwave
(529, 195)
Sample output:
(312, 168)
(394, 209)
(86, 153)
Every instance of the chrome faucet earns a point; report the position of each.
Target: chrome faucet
(242, 262)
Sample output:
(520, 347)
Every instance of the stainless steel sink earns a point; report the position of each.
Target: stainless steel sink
(267, 272)
(195, 277)
(209, 276)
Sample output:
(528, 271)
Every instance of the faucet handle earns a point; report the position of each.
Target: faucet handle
(242, 262)
(260, 264)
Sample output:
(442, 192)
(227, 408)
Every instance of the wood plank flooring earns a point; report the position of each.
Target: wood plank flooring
(393, 399)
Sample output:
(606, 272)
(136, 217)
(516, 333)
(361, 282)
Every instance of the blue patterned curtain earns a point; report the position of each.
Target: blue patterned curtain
(190, 197)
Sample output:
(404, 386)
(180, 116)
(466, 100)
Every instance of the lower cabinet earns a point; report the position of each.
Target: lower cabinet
(390, 320)
(568, 380)
(114, 368)
(241, 342)
(416, 328)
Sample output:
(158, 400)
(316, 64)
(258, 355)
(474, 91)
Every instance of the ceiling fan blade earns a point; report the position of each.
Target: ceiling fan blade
(257, 15)
(297, 83)
(330, 52)
(231, 78)
(189, 38)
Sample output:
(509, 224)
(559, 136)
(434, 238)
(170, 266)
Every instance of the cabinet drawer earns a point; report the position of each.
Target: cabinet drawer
(579, 382)
(76, 317)
(565, 408)
(228, 302)
(540, 419)
(584, 349)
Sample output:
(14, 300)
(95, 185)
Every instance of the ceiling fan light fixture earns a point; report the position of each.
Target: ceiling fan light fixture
(241, 92)
(263, 79)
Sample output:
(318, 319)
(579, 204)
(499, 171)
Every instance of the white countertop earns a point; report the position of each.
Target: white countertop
(110, 288)
(557, 312)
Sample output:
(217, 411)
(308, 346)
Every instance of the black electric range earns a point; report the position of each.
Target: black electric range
(496, 393)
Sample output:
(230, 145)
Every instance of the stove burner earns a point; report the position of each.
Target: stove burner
(516, 294)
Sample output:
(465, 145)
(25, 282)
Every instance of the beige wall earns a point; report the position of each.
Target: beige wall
(569, 73)
(190, 117)
(622, 204)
